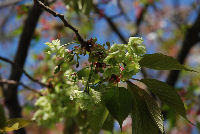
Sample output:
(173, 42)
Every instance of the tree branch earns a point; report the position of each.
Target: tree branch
(191, 38)
(119, 4)
(111, 24)
(21, 69)
(141, 18)
(12, 82)
(10, 91)
(83, 43)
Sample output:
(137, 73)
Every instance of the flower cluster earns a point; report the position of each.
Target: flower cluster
(75, 90)
(56, 105)
(59, 50)
(123, 58)
(86, 101)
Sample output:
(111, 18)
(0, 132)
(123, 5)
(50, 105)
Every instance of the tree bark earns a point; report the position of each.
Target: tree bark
(10, 91)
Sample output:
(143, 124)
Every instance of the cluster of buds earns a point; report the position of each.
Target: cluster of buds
(114, 79)
(99, 66)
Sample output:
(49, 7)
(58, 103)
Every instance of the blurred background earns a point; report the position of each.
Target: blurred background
(171, 27)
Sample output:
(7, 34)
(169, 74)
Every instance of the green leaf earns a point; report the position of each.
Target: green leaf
(57, 69)
(119, 102)
(88, 5)
(142, 121)
(167, 94)
(109, 123)
(80, 6)
(159, 61)
(97, 118)
(83, 73)
(154, 110)
(3, 117)
(15, 124)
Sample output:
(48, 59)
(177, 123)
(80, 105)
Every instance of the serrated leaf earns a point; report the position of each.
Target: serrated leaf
(97, 118)
(154, 110)
(167, 94)
(15, 124)
(118, 101)
(142, 121)
(160, 61)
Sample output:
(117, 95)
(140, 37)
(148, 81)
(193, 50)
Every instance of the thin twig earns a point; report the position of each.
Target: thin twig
(141, 18)
(20, 69)
(12, 82)
(5, 21)
(111, 24)
(116, 15)
(119, 4)
(65, 22)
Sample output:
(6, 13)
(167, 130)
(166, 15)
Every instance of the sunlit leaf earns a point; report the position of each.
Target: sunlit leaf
(142, 121)
(154, 110)
(159, 61)
(15, 124)
(167, 94)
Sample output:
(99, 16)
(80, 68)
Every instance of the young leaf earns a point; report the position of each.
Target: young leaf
(15, 124)
(167, 94)
(118, 101)
(142, 121)
(159, 61)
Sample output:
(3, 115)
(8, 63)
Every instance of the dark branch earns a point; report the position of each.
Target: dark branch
(65, 22)
(20, 69)
(12, 82)
(119, 4)
(141, 18)
(116, 15)
(191, 38)
(111, 24)
(10, 91)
